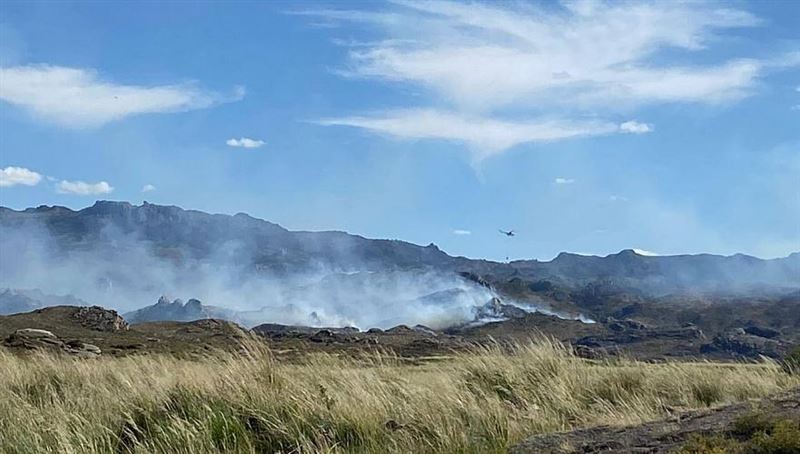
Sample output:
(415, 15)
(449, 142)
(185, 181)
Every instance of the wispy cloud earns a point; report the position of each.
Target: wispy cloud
(12, 176)
(490, 55)
(634, 127)
(577, 59)
(83, 188)
(486, 136)
(244, 142)
(76, 97)
(617, 198)
(148, 188)
(561, 180)
(461, 232)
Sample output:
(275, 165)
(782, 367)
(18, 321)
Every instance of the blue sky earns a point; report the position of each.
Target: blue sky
(586, 127)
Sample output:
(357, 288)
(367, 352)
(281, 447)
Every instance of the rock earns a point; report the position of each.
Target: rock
(495, 308)
(759, 331)
(323, 335)
(81, 349)
(30, 338)
(587, 352)
(622, 325)
(100, 319)
(33, 333)
(738, 344)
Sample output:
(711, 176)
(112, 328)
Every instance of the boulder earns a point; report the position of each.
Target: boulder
(495, 308)
(738, 344)
(759, 331)
(627, 324)
(33, 333)
(39, 339)
(81, 349)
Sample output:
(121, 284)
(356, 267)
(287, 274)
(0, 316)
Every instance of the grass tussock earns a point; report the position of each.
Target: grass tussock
(483, 401)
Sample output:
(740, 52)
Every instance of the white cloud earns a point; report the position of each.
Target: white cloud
(461, 232)
(561, 180)
(244, 142)
(617, 198)
(76, 97)
(486, 136)
(148, 188)
(645, 253)
(486, 56)
(562, 61)
(634, 127)
(83, 188)
(12, 176)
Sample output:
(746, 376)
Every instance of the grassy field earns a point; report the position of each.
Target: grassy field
(482, 401)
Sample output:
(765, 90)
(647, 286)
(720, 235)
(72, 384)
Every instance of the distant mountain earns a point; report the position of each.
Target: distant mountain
(178, 311)
(194, 242)
(16, 301)
(668, 274)
(185, 235)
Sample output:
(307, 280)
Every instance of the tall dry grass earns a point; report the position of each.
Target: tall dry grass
(482, 401)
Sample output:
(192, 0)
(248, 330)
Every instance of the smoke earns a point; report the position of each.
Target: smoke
(253, 276)
(121, 271)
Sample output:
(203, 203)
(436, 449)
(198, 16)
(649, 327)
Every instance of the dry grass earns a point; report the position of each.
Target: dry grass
(483, 401)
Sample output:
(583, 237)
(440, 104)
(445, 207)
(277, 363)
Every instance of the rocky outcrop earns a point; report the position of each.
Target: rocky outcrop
(761, 331)
(739, 344)
(495, 308)
(100, 319)
(39, 339)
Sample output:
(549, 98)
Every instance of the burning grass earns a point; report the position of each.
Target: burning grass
(482, 401)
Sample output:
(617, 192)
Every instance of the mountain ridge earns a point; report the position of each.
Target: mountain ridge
(265, 247)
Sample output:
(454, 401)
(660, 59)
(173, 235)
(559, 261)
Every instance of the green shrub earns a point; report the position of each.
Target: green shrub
(782, 438)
